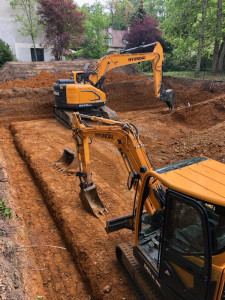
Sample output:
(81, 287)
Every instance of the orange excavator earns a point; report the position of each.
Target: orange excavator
(178, 215)
(83, 92)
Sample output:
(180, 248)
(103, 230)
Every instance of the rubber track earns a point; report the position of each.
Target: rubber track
(143, 285)
(62, 117)
(65, 116)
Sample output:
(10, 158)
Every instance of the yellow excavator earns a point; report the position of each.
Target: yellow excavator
(178, 215)
(83, 92)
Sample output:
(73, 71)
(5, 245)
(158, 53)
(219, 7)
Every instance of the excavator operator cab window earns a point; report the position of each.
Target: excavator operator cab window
(150, 227)
(185, 230)
(186, 250)
(216, 218)
(150, 235)
(79, 77)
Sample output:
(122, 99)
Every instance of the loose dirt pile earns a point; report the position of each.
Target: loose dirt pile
(43, 79)
(18, 70)
(83, 264)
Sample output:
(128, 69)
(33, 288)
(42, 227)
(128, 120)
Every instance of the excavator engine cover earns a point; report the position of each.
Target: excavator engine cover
(91, 201)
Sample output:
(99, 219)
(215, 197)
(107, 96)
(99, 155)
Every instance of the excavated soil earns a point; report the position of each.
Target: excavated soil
(64, 252)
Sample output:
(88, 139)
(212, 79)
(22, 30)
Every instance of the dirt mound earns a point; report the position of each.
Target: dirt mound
(46, 79)
(113, 76)
(192, 91)
(199, 116)
(19, 70)
(132, 95)
(43, 79)
(19, 104)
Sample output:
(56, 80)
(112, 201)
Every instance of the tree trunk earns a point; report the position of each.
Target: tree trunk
(35, 51)
(201, 38)
(222, 56)
(217, 38)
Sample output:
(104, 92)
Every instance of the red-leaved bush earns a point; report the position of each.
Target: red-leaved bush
(143, 32)
(62, 24)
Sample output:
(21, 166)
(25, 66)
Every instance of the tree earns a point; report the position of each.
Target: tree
(143, 32)
(63, 25)
(201, 37)
(5, 53)
(217, 36)
(94, 44)
(28, 18)
(140, 13)
(121, 12)
(221, 61)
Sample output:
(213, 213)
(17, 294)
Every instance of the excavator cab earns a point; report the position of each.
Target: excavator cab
(177, 251)
(182, 246)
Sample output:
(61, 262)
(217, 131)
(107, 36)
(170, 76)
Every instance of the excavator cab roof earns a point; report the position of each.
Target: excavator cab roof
(199, 177)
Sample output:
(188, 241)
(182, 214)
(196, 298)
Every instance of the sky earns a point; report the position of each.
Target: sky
(81, 2)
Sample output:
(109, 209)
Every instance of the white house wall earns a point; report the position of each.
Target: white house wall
(20, 45)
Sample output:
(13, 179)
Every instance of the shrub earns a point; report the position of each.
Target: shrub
(5, 53)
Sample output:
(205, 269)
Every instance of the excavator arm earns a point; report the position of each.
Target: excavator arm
(125, 138)
(125, 57)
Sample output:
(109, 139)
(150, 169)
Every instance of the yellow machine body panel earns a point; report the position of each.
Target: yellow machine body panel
(204, 180)
(84, 93)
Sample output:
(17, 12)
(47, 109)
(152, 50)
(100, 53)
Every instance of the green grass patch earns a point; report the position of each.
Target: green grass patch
(5, 212)
(191, 74)
(201, 75)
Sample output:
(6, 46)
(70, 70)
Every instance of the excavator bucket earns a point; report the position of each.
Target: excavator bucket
(170, 99)
(91, 201)
(68, 162)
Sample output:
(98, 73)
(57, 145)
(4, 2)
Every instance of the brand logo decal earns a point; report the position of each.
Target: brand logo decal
(136, 58)
(107, 136)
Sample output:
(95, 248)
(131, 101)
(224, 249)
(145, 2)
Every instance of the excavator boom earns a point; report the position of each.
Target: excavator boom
(125, 138)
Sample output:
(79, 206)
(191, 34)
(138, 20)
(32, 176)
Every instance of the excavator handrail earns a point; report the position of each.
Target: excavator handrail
(137, 48)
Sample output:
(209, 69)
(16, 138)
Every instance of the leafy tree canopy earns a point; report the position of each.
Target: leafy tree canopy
(63, 24)
(95, 41)
(27, 17)
(143, 33)
(5, 53)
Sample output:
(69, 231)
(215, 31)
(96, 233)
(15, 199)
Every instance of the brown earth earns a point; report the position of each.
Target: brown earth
(66, 252)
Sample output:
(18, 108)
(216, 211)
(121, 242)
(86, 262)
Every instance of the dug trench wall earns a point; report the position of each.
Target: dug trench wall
(40, 143)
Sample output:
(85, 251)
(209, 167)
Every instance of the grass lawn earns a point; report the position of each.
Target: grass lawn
(202, 75)
(191, 74)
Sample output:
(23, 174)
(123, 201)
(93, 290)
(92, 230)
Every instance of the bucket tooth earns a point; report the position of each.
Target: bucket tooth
(91, 201)
(68, 162)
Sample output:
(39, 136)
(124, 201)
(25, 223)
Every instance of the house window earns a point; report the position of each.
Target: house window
(40, 54)
(109, 39)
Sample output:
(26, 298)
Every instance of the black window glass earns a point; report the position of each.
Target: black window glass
(185, 230)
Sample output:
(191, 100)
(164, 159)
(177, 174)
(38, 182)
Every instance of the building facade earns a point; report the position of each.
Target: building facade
(115, 38)
(21, 46)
